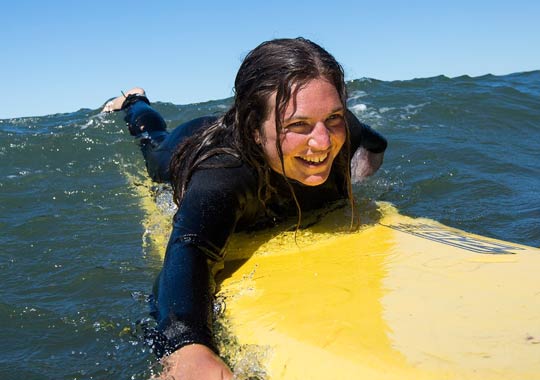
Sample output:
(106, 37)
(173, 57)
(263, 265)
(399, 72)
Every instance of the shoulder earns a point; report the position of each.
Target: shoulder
(363, 135)
(217, 198)
(355, 129)
(225, 175)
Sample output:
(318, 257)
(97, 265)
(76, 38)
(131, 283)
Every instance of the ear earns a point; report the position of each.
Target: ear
(257, 137)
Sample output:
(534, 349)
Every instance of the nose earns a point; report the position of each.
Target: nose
(319, 138)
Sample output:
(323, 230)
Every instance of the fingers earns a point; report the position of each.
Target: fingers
(108, 107)
(116, 103)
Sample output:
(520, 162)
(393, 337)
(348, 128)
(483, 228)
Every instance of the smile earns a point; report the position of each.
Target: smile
(314, 160)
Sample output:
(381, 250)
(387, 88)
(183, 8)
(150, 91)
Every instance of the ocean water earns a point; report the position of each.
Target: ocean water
(75, 271)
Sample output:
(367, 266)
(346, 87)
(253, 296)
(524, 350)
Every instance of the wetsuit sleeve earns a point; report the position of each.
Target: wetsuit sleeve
(215, 201)
(141, 118)
(362, 135)
(156, 143)
(150, 132)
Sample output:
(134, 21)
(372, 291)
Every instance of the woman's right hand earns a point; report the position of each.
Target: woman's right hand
(194, 362)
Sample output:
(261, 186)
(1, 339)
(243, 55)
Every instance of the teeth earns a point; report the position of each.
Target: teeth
(313, 159)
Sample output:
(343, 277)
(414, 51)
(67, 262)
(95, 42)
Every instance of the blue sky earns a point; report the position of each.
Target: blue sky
(60, 56)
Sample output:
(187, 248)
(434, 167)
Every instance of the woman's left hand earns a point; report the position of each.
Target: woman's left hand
(365, 163)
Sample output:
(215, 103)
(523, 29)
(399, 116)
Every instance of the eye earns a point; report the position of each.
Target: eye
(298, 127)
(335, 120)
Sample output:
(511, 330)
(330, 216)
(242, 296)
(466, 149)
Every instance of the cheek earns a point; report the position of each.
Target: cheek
(271, 153)
(339, 138)
(293, 144)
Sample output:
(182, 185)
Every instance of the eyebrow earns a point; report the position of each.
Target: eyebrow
(301, 117)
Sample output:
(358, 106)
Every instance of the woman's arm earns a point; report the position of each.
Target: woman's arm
(216, 199)
(186, 348)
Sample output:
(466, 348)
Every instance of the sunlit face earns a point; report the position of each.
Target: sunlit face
(312, 133)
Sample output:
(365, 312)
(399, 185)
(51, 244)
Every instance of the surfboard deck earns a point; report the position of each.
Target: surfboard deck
(402, 298)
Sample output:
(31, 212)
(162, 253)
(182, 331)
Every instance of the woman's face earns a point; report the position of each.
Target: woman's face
(313, 132)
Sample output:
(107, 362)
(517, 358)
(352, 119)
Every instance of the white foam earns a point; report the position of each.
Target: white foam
(88, 124)
(357, 95)
(358, 108)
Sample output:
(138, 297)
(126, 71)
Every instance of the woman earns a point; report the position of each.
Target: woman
(288, 140)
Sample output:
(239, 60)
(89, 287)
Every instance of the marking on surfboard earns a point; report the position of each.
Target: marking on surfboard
(454, 239)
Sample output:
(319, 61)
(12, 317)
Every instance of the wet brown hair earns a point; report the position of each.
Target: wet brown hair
(278, 66)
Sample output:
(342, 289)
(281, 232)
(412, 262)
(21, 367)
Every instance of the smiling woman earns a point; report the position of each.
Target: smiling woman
(287, 143)
(314, 132)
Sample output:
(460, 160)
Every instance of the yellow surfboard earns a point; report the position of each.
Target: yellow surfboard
(401, 298)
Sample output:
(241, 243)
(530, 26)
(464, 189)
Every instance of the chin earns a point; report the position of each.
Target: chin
(314, 180)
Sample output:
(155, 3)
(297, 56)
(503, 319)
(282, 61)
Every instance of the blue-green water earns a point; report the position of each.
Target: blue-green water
(74, 272)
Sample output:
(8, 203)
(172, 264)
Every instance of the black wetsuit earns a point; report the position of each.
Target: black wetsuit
(218, 201)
